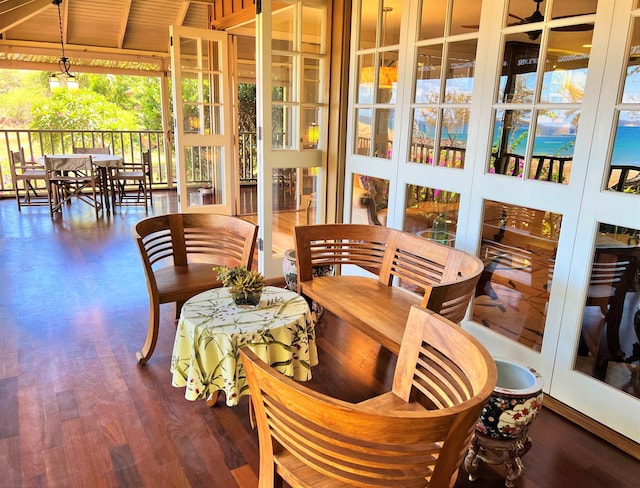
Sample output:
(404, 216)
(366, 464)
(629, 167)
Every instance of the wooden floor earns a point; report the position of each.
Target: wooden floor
(77, 411)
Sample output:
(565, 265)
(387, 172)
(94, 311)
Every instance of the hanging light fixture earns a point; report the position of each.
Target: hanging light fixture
(64, 78)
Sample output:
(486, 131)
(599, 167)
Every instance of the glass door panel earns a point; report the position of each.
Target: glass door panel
(609, 342)
(518, 249)
(432, 213)
(203, 130)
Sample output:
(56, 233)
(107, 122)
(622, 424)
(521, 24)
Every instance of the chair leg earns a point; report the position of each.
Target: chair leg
(152, 334)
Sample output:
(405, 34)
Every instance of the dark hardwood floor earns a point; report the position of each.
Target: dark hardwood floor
(77, 411)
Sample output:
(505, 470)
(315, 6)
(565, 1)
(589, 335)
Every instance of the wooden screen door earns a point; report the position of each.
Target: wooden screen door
(202, 119)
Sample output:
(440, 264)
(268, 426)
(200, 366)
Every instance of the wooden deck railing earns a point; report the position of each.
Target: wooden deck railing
(129, 144)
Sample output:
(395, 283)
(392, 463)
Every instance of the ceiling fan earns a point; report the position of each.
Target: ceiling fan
(536, 17)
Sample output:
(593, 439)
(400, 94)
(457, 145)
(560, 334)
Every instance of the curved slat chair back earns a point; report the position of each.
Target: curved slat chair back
(179, 251)
(308, 438)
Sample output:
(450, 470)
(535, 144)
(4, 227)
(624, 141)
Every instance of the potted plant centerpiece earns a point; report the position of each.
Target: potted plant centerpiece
(245, 286)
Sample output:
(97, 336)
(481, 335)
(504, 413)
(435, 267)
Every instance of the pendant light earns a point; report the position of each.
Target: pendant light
(64, 78)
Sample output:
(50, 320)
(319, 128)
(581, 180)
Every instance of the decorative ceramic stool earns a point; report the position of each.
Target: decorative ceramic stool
(501, 433)
(290, 271)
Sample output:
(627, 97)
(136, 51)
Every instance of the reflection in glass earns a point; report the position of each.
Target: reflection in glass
(281, 120)
(553, 145)
(565, 74)
(434, 13)
(282, 79)
(312, 24)
(282, 29)
(366, 74)
(631, 92)
(562, 10)
(460, 70)
(424, 206)
(609, 343)
(391, 16)
(311, 80)
(383, 137)
(518, 247)
(453, 137)
(204, 174)
(310, 129)
(518, 78)
(387, 77)
(465, 17)
(510, 137)
(370, 200)
(188, 53)
(428, 68)
(363, 131)
(368, 25)
(624, 169)
(423, 135)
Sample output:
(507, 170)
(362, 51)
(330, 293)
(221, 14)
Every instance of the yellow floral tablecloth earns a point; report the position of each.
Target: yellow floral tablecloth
(212, 328)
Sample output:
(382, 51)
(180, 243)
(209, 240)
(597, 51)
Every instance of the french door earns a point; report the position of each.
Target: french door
(291, 66)
(202, 124)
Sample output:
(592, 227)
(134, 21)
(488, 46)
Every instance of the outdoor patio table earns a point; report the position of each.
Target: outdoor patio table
(212, 329)
(103, 162)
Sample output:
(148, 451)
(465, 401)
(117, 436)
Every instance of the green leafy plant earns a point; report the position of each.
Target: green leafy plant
(242, 282)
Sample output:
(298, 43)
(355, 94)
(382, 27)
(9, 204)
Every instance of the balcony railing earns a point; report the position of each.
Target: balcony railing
(129, 144)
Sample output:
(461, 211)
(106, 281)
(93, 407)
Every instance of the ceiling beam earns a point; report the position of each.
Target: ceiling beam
(14, 12)
(123, 24)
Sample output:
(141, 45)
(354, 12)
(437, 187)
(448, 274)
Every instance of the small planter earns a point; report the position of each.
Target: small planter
(290, 270)
(249, 300)
(501, 433)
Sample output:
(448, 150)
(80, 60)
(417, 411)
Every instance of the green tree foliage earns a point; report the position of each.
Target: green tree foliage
(18, 90)
(80, 109)
(247, 107)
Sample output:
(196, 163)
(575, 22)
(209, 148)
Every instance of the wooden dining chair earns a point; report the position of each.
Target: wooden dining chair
(69, 178)
(25, 176)
(131, 183)
(179, 251)
(413, 436)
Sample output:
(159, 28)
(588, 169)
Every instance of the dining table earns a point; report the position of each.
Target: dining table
(212, 329)
(103, 163)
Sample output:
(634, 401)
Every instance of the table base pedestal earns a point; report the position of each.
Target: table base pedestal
(491, 451)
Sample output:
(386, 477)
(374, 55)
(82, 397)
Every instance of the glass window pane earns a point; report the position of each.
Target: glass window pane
(453, 137)
(362, 139)
(434, 14)
(391, 16)
(631, 93)
(310, 128)
(510, 137)
(312, 24)
(188, 53)
(624, 167)
(562, 10)
(370, 200)
(609, 341)
(282, 78)
(204, 167)
(190, 87)
(554, 144)
(388, 77)
(213, 119)
(282, 29)
(518, 247)
(424, 206)
(460, 71)
(311, 80)
(192, 120)
(368, 24)
(465, 16)
(518, 78)
(423, 135)
(282, 120)
(383, 137)
(565, 75)
(211, 56)
(428, 69)
(366, 74)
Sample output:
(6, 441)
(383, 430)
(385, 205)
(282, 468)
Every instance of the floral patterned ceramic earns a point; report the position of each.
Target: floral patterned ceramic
(514, 404)
(290, 270)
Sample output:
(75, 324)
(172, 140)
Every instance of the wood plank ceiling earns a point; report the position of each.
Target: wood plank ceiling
(113, 36)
